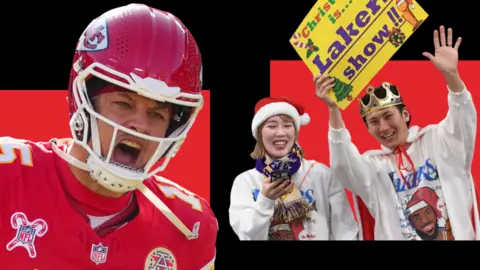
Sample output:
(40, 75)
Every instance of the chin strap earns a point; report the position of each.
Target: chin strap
(191, 235)
(169, 214)
(75, 162)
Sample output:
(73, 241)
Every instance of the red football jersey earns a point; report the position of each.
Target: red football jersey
(40, 229)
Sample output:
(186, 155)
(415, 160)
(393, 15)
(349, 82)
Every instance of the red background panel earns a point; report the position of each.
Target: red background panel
(39, 115)
(420, 83)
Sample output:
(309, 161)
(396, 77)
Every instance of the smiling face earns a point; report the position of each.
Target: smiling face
(278, 135)
(425, 220)
(389, 126)
(137, 113)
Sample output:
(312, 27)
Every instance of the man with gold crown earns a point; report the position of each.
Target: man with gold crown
(419, 185)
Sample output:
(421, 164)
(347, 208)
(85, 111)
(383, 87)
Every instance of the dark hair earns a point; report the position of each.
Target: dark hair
(380, 92)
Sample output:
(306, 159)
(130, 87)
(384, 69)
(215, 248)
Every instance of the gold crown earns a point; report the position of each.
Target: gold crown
(376, 103)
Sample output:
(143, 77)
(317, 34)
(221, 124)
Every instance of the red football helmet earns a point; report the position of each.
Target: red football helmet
(149, 52)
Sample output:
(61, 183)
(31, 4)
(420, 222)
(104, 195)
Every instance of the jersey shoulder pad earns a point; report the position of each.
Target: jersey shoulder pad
(18, 153)
(20, 159)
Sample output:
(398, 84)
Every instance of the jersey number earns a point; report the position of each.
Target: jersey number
(172, 192)
(8, 154)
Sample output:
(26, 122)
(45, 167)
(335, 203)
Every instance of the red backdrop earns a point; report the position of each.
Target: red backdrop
(42, 115)
(419, 82)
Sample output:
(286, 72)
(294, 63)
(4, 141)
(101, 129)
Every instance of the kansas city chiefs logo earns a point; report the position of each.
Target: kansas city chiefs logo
(95, 37)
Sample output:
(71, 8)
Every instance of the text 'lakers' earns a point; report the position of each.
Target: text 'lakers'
(350, 34)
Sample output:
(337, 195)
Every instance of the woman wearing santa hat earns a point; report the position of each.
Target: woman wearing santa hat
(287, 197)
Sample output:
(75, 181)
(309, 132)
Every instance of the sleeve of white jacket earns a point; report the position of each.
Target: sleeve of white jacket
(342, 222)
(249, 219)
(459, 127)
(354, 171)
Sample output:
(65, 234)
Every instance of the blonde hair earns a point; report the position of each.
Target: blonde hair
(259, 151)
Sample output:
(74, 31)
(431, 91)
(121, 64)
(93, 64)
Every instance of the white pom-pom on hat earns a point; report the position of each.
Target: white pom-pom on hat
(304, 119)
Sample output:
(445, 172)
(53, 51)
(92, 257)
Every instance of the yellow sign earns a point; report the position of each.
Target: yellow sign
(352, 40)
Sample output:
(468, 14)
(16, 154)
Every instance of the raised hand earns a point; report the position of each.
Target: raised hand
(322, 85)
(446, 56)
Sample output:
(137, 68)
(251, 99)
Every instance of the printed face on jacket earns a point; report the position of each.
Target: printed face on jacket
(427, 215)
(278, 136)
(425, 221)
(389, 126)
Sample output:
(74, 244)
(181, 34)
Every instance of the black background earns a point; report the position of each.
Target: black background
(237, 40)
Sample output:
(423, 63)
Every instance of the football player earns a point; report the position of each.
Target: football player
(95, 200)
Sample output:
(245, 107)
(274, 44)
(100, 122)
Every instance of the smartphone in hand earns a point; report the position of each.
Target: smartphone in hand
(281, 175)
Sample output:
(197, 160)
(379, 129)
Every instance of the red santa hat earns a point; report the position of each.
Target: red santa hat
(423, 197)
(270, 106)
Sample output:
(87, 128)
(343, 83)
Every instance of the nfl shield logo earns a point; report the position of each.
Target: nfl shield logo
(26, 234)
(98, 254)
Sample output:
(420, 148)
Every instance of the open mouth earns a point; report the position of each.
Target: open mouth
(125, 154)
(280, 145)
(388, 137)
(428, 228)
